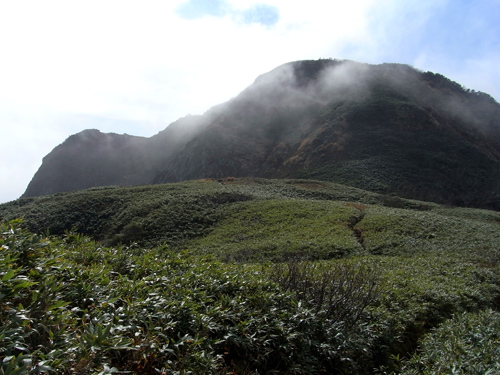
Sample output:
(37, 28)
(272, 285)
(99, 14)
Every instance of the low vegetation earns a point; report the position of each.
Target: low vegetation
(246, 276)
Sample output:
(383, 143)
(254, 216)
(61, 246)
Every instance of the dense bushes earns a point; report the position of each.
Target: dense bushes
(282, 229)
(467, 344)
(341, 290)
(211, 212)
(71, 306)
(194, 282)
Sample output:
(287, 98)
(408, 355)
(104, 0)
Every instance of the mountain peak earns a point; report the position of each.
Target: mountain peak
(388, 128)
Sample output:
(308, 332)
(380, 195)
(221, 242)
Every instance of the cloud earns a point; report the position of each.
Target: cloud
(261, 13)
(198, 8)
(24, 144)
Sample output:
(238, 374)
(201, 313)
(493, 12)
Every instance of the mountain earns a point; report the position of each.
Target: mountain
(91, 158)
(387, 128)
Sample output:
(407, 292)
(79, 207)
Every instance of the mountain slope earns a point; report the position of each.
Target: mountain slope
(387, 128)
(91, 158)
(249, 219)
(365, 277)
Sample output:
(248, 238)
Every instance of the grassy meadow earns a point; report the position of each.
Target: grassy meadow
(247, 276)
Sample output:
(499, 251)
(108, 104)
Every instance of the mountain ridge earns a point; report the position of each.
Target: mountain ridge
(387, 128)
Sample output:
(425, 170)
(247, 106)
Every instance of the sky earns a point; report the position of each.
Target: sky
(136, 66)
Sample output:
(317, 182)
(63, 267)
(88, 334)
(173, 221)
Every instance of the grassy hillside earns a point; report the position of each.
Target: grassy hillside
(247, 276)
(257, 219)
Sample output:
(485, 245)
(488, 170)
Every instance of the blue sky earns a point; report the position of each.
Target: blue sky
(258, 13)
(134, 67)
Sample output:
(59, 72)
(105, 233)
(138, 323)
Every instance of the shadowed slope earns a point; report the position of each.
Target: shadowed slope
(387, 128)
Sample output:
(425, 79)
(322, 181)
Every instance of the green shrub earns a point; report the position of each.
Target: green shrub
(342, 291)
(72, 310)
(420, 293)
(368, 286)
(469, 343)
(283, 229)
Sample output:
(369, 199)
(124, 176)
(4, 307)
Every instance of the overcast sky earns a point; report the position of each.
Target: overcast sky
(136, 66)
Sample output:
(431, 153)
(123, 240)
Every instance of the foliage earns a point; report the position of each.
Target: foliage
(393, 231)
(422, 292)
(154, 214)
(283, 229)
(70, 305)
(242, 276)
(342, 290)
(313, 217)
(81, 308)
(467, 344)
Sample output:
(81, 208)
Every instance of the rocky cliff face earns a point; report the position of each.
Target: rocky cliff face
(91, 158)
(88, 159)
(386, 128)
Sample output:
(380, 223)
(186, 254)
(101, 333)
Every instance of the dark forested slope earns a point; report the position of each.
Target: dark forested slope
(387, 128)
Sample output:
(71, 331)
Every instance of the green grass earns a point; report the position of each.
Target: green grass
(394, 231)
(181, 278)
(283, 229)
(168, 213)
(290, 217)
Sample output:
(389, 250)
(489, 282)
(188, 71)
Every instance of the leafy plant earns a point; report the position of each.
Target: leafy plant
(342, 291)
(467, 344)
(245, 276)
